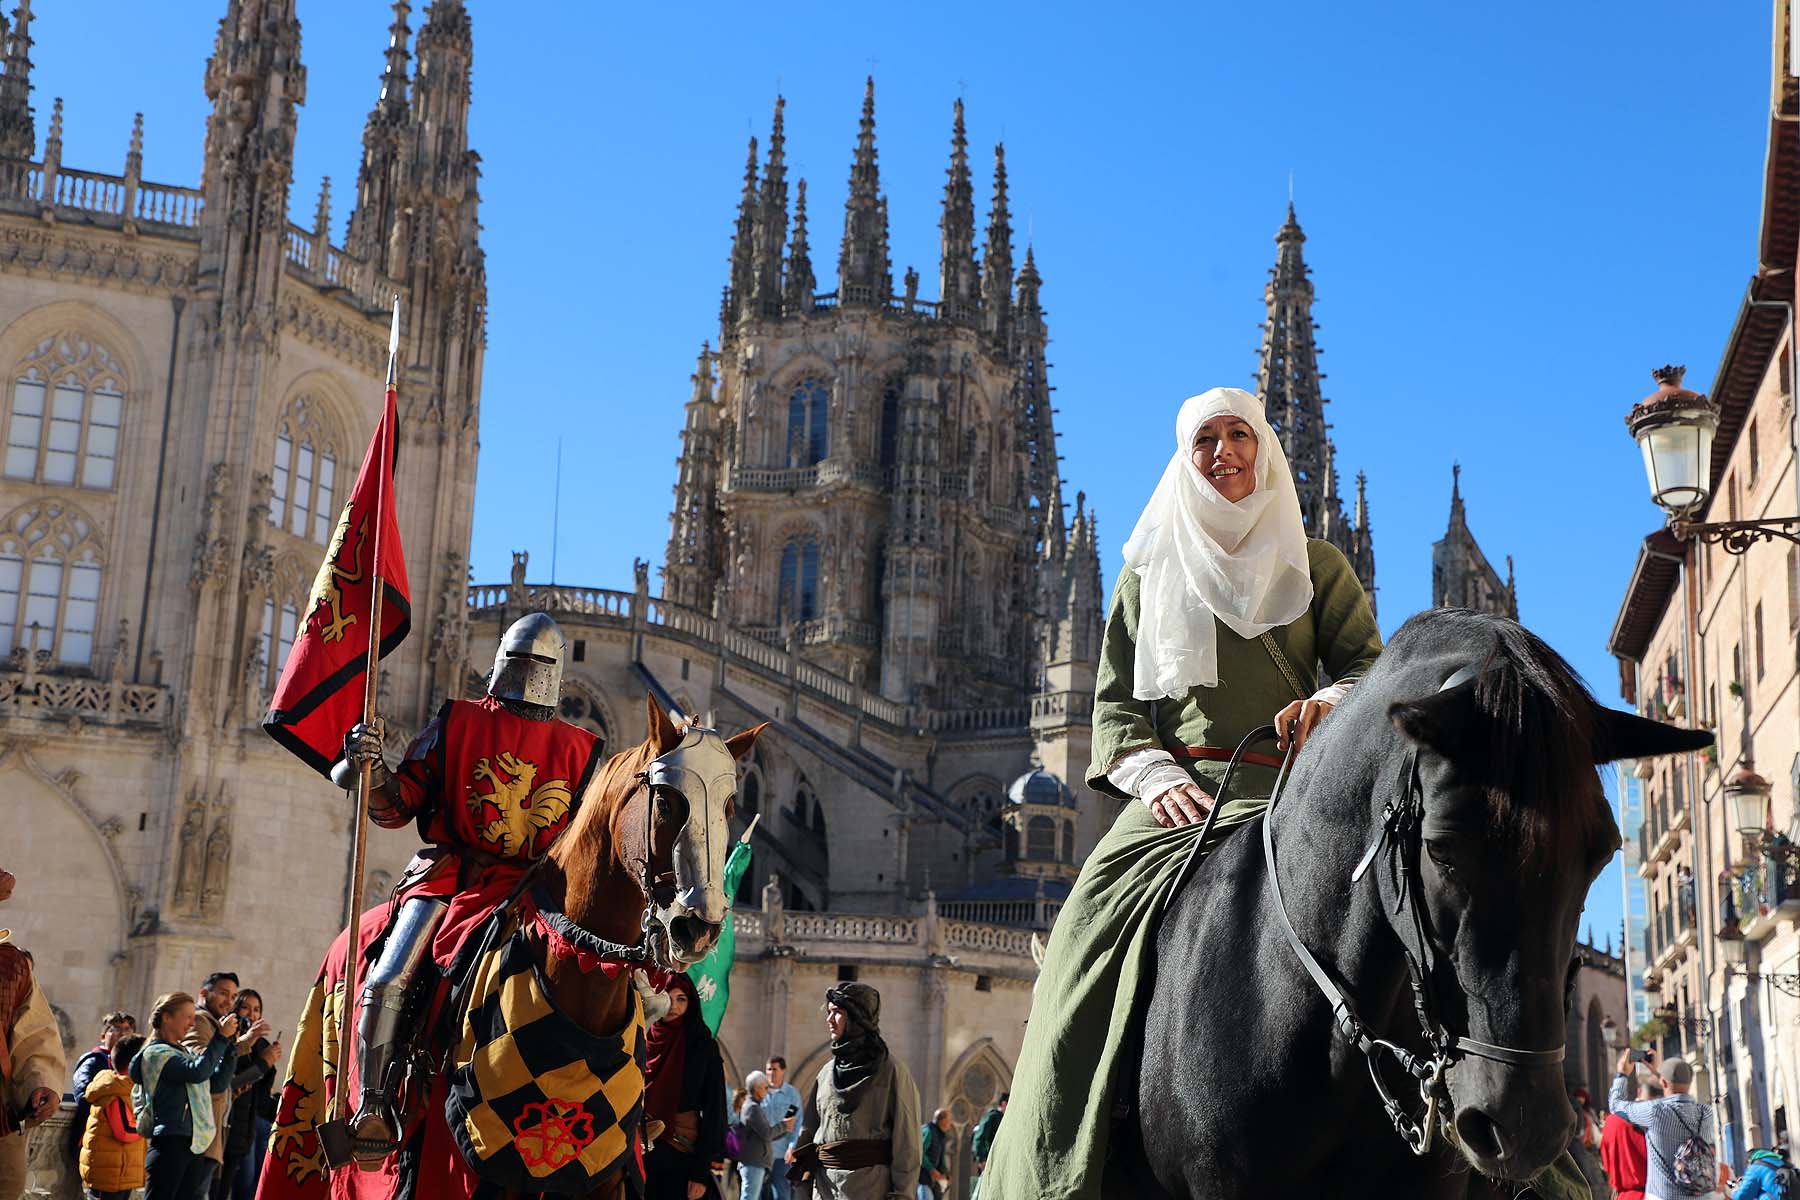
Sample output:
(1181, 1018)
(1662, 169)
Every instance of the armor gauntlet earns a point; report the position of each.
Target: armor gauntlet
(364, 743)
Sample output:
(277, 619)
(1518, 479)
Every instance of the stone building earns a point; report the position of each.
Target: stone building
(1460, 574)
(1599, 1019)
(193, 380)
(1707, 636)
(870, 551)
(1288, 383)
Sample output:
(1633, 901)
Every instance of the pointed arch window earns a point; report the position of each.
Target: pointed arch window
(797, 598)
(890, 421)
(51, 562)
(305, 474)
(68, 401)
(280, 615)
(808, 409)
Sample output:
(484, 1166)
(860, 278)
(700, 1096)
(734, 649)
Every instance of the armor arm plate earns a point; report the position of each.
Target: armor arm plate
(420, 777)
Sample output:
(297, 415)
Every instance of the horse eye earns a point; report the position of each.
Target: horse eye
(1442, 858)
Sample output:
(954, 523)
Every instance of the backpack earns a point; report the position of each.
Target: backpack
(1787, 1181)
(1695, 1168)
(734, 1141)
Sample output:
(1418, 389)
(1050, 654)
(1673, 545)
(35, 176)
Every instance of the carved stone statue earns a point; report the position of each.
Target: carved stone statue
(189, 864)
(121, 649)
(516, 591)
(218, 867)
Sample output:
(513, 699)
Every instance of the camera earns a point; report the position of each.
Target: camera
(1642, 1056)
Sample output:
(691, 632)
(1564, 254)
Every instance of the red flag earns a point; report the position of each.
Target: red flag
(320, 695)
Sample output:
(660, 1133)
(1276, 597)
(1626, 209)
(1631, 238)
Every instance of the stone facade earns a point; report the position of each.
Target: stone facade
(210, 372)
(1708, 637)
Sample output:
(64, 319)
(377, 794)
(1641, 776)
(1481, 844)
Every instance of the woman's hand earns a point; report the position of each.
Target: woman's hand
(1304, 715)
(1183, 804)
(695, 1191)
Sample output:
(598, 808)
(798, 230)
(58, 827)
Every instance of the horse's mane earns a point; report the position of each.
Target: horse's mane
(610, 787)
(1538, 719)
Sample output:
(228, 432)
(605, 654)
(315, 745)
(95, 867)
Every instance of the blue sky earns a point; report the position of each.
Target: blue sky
(1513, 214)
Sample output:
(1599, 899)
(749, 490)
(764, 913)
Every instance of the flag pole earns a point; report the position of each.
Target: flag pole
(353, 963)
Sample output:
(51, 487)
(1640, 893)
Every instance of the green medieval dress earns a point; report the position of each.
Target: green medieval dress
(1052, 1145)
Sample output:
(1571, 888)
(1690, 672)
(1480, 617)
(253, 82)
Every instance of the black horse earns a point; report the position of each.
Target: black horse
(1459, 777)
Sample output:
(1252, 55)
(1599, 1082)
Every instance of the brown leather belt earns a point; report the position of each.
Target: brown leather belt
(850, 1154)
(1220, 754)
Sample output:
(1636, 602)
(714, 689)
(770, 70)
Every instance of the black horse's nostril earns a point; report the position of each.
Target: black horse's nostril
(1477, 1131)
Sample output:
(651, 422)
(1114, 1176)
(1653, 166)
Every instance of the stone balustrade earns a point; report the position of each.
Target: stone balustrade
(742, 650)
(31, 691)
(925, 936)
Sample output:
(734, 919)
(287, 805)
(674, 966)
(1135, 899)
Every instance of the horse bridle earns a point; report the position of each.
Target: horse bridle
(644, 951)
(1401, 833)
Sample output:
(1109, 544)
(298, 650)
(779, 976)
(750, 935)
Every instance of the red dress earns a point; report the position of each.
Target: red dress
(1624, 1156)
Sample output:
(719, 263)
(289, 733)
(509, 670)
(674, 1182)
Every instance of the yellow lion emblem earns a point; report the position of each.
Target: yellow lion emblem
(511, 814)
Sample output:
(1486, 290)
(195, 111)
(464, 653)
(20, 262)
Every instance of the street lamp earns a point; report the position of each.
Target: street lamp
(1674, 428)
(1748, 794)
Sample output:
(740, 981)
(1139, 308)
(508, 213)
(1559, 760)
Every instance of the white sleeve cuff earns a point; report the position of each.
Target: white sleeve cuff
(1334, 695)
(1159, 779)
(1129, 772)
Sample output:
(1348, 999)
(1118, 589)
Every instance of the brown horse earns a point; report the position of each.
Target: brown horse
(638, 873)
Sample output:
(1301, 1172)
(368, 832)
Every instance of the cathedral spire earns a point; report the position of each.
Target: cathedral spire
(771, 223)
(256, 84)
(743, 247)
(391, 103)
(18, 132)
(865, 274)
(378, 179)
(800, 284)
(1288, 375)
(959, 284)
(1056, 536)
(997, 263)
(692, 563)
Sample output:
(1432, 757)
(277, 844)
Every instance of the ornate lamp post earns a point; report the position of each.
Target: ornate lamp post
(1674, 428)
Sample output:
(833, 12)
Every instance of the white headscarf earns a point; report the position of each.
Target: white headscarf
(1203, 559)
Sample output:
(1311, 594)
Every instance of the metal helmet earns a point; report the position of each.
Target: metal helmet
(529, 663)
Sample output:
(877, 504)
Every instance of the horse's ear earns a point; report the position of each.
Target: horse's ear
(740, 744)
(1626, 735)
(1437, 722)
(663, 733)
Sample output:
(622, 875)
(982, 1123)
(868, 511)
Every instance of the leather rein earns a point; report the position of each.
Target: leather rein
(1401, 835)
(549, 910)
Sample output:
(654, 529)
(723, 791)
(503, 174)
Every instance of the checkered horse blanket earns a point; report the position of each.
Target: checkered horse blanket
(544, 1104)
(537, 1103)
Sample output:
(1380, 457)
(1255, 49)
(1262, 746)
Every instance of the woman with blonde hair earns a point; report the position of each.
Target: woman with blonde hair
(173, 1098)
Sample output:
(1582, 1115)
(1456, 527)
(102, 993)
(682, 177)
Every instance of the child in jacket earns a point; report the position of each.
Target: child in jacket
(112, 1150)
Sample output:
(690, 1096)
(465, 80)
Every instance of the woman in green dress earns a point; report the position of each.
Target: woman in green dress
(1224, 619)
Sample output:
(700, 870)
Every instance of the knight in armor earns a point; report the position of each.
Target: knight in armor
(491, 783)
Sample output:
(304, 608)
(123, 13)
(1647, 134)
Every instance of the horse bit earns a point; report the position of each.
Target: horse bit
(1401, 834)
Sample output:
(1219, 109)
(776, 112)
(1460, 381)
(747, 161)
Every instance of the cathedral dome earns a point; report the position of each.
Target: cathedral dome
(1040, 787)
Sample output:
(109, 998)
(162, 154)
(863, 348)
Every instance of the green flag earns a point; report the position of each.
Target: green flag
(712, 974)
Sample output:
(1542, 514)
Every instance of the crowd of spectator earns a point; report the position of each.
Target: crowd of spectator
(182, 1110)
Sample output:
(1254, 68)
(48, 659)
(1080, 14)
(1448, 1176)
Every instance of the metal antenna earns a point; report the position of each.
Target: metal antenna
(556, 512)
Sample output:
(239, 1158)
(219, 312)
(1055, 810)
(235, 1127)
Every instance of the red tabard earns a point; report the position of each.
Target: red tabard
(509, 784)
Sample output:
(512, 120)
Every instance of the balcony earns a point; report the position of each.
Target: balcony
(1765, 893)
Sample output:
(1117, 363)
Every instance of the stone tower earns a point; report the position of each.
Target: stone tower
(867, 476)
(1287, 380)
(230, 366)
(1460, 574)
